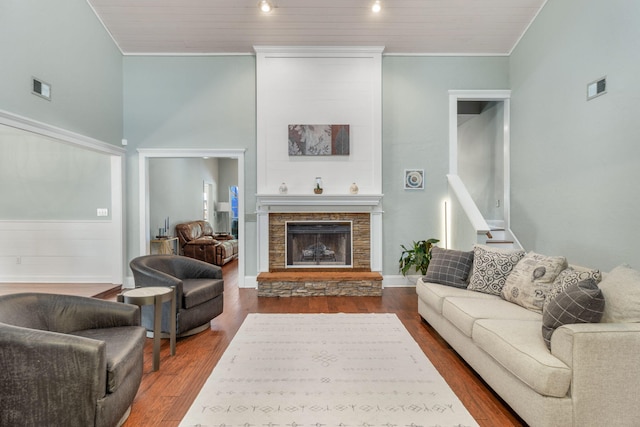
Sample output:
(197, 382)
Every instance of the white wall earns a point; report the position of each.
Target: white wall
(319, 86)
(481, 159)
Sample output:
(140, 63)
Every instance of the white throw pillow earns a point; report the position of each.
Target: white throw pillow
(621, 290)
(531, 280)
(491, 266)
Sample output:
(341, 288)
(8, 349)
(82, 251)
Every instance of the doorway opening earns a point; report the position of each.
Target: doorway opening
(144, 212)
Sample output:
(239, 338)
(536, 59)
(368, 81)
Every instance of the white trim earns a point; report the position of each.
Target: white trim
(468, 205)
(144, 154)
(315, 51)
(41, 128)
(397, 281)
(515, 45)
(482, 95)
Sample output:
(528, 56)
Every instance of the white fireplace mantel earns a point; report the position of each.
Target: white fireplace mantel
(318, 202)
(370, 203)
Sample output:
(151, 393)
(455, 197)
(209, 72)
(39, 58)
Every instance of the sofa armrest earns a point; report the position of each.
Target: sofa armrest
(65, 371)
(605, 371)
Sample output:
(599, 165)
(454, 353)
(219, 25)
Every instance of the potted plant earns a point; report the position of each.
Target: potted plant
(418, 257)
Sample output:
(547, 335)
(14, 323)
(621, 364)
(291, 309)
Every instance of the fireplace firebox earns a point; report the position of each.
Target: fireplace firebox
(318, 244)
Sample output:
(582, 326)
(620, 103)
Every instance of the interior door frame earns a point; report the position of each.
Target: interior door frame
(503, 96)
(144, 154)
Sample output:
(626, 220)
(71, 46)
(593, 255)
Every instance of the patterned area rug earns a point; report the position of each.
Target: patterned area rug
(325, 370)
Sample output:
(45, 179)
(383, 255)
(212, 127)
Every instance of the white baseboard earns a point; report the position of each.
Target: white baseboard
(398, 281)
(250, 282)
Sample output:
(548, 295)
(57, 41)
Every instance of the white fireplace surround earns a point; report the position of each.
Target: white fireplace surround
(363, 203)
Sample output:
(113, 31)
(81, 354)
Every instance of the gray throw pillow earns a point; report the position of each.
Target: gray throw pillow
(449, 267)
(579, 303)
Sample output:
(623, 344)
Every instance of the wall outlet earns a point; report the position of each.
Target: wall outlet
(497, 203)
(103, 212)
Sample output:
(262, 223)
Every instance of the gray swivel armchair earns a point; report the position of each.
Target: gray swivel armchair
(68, 360)
(199, 289)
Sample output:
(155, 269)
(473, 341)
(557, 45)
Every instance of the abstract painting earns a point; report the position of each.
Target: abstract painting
(414, 179)
(318, 140)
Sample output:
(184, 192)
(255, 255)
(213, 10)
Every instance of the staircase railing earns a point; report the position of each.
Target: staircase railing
(466, 223)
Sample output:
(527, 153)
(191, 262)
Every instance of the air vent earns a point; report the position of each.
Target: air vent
(596, 88)
(41, 89)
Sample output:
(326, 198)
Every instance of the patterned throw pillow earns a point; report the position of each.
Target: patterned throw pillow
(582, 302)
(571, 276)
(491, 266)
(449, 267)
(531, 280)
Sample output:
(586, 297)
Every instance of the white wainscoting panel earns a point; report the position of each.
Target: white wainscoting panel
(59, 252)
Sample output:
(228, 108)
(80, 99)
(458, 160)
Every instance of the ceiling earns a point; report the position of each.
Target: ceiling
(463, 27)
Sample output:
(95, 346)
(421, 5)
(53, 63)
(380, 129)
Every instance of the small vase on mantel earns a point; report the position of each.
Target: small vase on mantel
(318, 188)
(353, 189)
(283, 188)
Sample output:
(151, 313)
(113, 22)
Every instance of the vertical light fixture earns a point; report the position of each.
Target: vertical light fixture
(265, 6)
(377, 7)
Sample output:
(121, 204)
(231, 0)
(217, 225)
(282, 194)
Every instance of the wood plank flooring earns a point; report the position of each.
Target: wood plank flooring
(165, 395)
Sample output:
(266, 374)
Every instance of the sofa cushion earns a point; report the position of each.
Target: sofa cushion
(121, 343)
(531, 280)
(449, 267)
(197, 291)
(570, 276)
(434, 294)
(491, 266)
(579, 303)
(621, 290)
(463, 312)
(518, 346)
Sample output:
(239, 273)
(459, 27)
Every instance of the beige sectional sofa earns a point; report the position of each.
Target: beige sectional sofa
(589, 377)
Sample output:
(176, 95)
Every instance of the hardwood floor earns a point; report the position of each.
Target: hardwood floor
(165, 395)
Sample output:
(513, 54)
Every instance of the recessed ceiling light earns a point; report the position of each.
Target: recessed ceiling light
(265, 6)
(377, 7)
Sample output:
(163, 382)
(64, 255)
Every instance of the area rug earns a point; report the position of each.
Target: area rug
(325, 370)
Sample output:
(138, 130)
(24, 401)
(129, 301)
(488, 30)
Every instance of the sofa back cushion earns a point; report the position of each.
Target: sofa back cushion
(621, 289)
(192, 230)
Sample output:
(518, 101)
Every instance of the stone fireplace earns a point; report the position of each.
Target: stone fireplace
(319, 245)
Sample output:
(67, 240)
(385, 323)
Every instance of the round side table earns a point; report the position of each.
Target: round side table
(155, 295)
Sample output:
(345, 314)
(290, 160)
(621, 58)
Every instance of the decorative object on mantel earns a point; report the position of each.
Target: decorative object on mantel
(318, 188)
(353, 189)
(414, 179)
(318, 140)
(417, 257)
(283, 188)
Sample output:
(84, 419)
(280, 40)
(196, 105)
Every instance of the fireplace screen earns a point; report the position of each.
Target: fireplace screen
(318, 244)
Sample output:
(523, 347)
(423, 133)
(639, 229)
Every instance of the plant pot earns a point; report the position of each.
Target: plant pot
(317, 190)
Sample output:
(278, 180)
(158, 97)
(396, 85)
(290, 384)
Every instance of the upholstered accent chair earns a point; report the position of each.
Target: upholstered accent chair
(68, 360)
(198, 285)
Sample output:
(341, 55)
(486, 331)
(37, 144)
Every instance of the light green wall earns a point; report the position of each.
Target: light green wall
(190, 102)
(176, 190)
(63, 43)
(415, 134)
(44, 179)
(575, 164)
